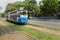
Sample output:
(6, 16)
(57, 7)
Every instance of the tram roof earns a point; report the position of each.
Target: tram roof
(20, 9)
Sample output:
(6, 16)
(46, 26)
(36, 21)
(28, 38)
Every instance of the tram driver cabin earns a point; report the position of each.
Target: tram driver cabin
(19, 16)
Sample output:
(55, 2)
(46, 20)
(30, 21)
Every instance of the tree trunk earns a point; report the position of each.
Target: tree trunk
(28, 15)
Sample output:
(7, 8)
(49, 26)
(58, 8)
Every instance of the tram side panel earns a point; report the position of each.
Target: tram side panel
(13, 17)
(19, 18)
(8, 17)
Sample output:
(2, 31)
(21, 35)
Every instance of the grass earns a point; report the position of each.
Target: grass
(39, 35)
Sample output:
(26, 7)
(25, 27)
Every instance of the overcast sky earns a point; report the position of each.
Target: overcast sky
(3, 3)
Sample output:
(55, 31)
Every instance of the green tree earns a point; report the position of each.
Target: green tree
(58, 6)
(19, 4)
(10, 7)
(49, 7)
(2, 14)
(31, 5)
(37, 11)
(58, 9)
(14, 6)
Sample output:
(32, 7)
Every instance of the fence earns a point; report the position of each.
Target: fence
(51, 17)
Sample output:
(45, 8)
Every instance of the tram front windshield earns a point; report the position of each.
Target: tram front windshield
(23, 14)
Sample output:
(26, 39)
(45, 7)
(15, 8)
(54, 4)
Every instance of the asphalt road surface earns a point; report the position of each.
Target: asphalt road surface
(46, 23)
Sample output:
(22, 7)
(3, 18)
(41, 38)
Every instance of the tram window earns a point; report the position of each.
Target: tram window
(23, 13)
(14, 16)
(18, 15)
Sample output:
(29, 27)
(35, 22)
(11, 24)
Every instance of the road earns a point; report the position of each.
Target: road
(46, 23)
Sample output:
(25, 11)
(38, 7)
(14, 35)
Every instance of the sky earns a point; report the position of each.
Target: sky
(3, 3)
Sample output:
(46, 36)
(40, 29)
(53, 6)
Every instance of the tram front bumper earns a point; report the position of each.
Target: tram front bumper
(22, 20)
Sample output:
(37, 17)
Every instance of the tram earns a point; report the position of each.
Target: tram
(19, 16)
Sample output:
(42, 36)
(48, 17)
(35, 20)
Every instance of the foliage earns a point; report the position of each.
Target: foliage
(2, 14)
(14, 6)
(37, 11)
(59, 6)
(49, 7)
(31, 5)
(59, 10)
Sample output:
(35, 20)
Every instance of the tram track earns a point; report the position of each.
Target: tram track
(33, 38)
(29, 34)
(51, 31)
(9, 33)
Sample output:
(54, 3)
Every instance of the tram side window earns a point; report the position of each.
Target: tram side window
(14, 16)
(18, 14)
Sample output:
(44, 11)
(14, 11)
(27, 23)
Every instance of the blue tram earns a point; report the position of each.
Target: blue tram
(19, 16)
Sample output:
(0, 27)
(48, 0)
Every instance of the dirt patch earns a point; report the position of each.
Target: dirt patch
(46, 30)
(9, 33)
